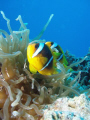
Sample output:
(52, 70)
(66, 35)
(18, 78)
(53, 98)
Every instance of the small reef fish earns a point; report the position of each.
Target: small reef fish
(57, 52)
(41, 59)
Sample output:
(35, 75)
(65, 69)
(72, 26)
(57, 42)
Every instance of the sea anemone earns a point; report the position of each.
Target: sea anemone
(22, 94)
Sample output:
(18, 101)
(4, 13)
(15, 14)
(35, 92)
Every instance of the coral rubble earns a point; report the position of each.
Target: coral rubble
(77, 108)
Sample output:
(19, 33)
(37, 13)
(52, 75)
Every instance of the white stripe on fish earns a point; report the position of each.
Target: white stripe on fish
(54, 45)
(60, 57)
(41, 46)
(47, 63)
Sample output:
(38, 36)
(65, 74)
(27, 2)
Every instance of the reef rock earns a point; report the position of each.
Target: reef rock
(77, 108)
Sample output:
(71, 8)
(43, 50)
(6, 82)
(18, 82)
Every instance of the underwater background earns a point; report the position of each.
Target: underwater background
(70, 26)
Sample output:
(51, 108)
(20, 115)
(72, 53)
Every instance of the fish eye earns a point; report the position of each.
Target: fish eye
(52, 43)
(37, 45)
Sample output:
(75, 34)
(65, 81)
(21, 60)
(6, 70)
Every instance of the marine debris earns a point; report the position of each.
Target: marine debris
(23, 96)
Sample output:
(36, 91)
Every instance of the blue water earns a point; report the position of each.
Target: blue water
(70, 26)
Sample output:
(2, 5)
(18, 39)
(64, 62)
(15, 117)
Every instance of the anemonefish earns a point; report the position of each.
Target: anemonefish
(41, 59)
(57, 52)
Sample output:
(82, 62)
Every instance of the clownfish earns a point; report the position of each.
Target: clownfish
(57, 52)
(41, 59)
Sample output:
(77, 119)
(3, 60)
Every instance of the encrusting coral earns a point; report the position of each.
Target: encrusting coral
(24, 95)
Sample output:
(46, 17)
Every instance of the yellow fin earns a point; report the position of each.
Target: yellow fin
(64, 60)
(32, 69)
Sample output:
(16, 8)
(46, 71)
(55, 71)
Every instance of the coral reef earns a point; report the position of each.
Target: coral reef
(77, 108)
(24, 95)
